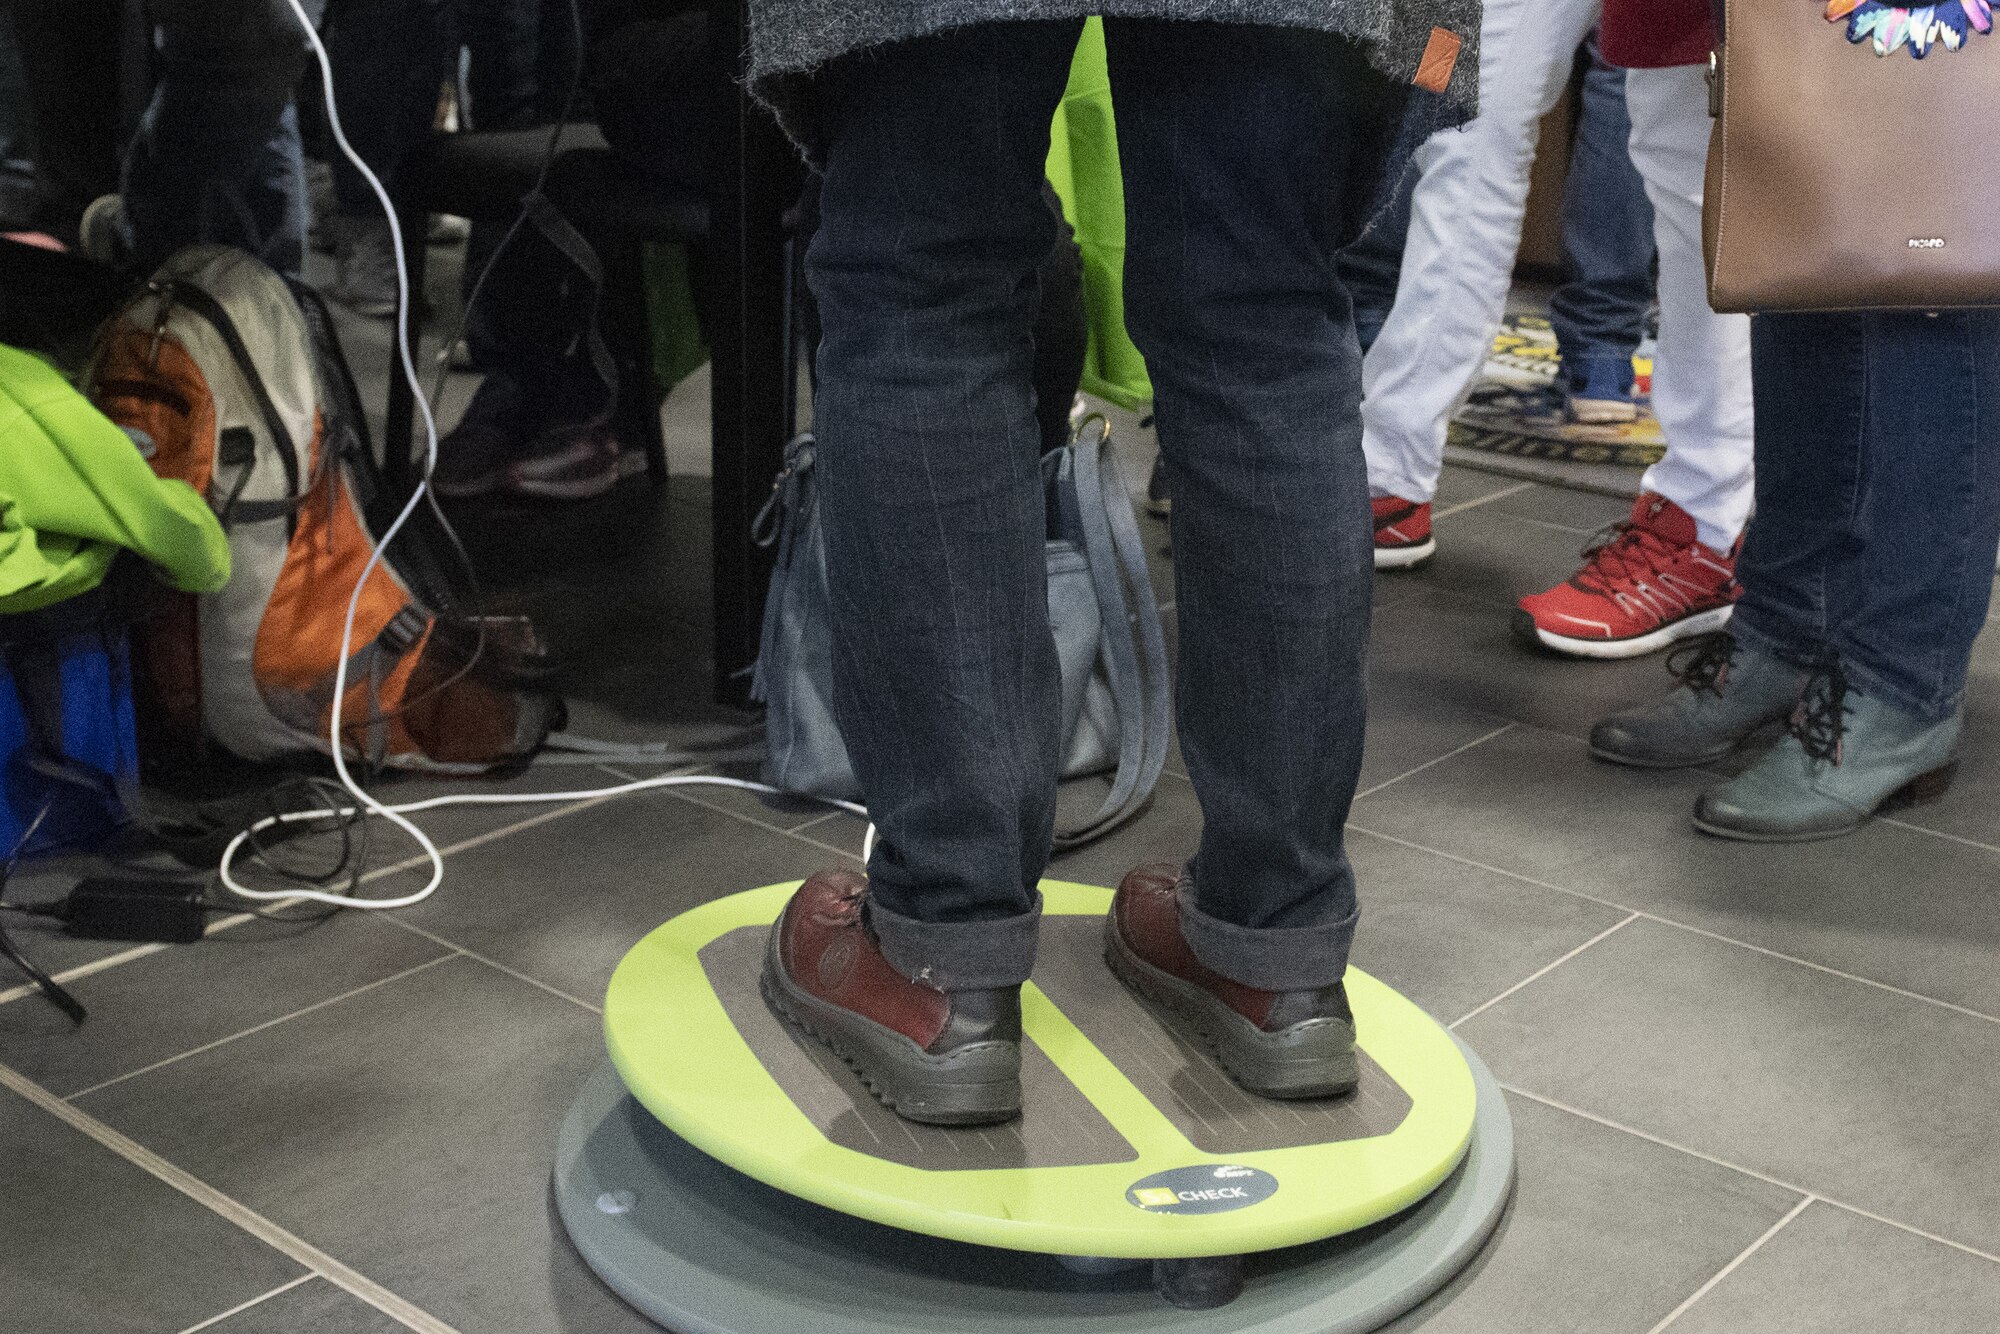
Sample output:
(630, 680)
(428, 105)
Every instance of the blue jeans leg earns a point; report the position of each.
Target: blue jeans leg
(1607, 231)
(1243, 149)
(1372, 266)
(217, 157)
(1878, 497)
(1247, 152)
(946, 688)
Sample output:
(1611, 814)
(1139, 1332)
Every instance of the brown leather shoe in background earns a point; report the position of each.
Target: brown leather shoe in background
(943, 1058)
(1279, 1044)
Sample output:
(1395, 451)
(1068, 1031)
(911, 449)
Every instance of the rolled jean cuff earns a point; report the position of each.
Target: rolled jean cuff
(1800, 653)
(1278, 958)
(959, 956)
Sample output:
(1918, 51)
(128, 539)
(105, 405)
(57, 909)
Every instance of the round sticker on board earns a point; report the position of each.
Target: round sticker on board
(1202, 1190)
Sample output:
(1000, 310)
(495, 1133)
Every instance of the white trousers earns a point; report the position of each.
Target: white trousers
(1465, 232)
(1701, 379)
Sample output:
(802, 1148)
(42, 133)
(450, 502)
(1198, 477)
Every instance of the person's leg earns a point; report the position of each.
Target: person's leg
(1882, 555)
(1802, 556)
(500, 39)
(69, 57)
(1668, 573)
(217, 156)
(933, 224)
(1599, 313)
(1701, 380)
(1062, 331)
(389, 59)
(1930, 508)
(1372, 266)
(1465, 229)
(1243, 151)
(945, 681)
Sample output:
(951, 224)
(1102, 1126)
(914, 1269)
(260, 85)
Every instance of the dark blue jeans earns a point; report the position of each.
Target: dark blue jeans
(389, 56)
(1248, 156)
(1607, 231)
(217, 157)
(1878, 497)
(1372, 267)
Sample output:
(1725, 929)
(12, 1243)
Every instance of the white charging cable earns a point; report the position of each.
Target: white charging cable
(366, 805)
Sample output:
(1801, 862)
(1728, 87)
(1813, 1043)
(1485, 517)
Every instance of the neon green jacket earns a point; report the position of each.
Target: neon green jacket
(73, 491)
(1083, 167)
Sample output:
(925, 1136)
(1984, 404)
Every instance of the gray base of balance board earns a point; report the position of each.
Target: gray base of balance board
(702, 1249)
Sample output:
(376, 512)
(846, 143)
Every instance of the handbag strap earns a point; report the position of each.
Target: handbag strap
(1135, 645)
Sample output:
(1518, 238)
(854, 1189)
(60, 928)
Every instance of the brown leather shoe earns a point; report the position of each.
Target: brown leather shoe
(1280, 1044)
(943, 1058)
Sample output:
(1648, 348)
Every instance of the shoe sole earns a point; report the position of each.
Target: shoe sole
(1314, 1059)
(470, 490)
(1919, 791)
(1591, 412)
(976, 1085)
(1405, 558)
(587, 489)
(1685, 762)
(1701, 623)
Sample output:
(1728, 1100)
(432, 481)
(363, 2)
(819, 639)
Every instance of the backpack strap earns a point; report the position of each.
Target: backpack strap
(210, 310)
(558, 231)
(1135, 645)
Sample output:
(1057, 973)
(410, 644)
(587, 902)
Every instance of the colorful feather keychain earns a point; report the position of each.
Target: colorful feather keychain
(1922, 28)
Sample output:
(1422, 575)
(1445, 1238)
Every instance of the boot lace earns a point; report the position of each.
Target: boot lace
(1820, 720)
(1703, 664)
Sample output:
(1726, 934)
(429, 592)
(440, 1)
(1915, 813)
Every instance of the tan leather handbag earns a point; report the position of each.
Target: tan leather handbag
(1855, 175)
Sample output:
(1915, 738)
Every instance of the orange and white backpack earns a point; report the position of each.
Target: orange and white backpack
(234, 384)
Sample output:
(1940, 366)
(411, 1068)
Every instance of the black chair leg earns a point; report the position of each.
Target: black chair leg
(628, 327)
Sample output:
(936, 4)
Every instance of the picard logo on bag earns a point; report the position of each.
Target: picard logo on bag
(1926, 243)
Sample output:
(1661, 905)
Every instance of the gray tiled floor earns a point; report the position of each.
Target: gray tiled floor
(1755, 1089)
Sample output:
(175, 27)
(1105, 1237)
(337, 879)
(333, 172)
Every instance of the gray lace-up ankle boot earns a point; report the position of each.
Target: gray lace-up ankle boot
(1727, 691)
(1847, 758)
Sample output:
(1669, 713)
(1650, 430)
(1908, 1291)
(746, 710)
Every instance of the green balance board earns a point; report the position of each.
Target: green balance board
(1131, 1143)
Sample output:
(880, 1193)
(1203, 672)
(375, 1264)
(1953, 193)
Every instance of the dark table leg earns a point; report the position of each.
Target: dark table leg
(757, 182)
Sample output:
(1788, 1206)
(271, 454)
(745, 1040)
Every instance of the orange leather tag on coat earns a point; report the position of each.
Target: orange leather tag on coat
(1440, 59)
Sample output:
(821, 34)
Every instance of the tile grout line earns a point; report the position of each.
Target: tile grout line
(769, 828)
(1542, 972)
(280, 1290)
(1751, 1172)
(1501, 730)
(138, 952)
(1936, 833)
(1732, 1266)
(1546, 525)
(1464, 505)
(352, 1281)
(1830, 971)
(460, 951)
(363, 989)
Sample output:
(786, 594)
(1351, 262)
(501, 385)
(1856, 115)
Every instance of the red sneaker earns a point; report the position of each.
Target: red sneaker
(1645, 583)
(1402, 533)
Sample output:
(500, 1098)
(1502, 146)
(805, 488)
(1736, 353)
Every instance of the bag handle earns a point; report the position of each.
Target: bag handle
(1137, 663)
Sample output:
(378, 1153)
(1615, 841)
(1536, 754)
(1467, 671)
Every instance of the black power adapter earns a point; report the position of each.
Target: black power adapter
(169, 911)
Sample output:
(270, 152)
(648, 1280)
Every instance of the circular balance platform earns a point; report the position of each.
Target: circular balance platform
(725, 1174)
